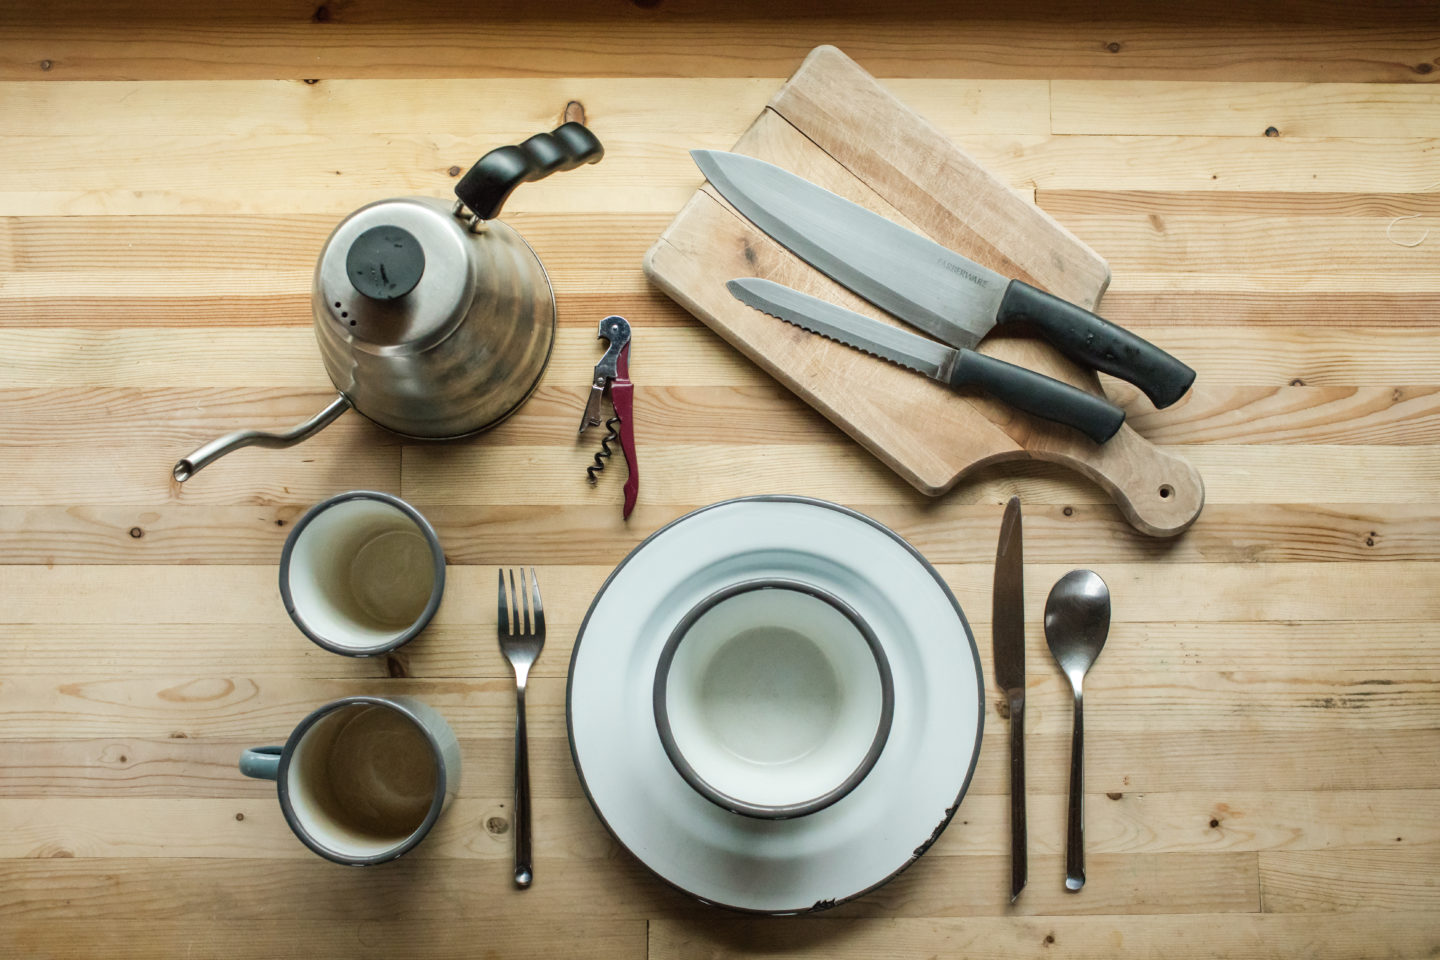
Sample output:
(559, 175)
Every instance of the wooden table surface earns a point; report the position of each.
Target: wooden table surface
(1263, 726)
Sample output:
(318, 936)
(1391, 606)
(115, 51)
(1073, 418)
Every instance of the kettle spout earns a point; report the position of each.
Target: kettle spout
(215, 449)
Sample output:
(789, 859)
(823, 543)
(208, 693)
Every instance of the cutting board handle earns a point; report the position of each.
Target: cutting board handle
(1159, 493)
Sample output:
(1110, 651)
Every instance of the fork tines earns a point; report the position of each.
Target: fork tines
(520, 615)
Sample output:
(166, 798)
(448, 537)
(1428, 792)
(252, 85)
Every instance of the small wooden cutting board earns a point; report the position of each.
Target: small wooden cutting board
(833, 124)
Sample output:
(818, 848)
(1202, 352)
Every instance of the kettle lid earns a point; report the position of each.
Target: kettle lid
(396, 274)
(385, 262)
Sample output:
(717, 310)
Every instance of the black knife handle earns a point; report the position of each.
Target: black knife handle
(1096, 342)
(1036, 393)
(1019, 858)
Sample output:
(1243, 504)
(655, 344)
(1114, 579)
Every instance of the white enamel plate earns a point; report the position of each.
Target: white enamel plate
(863, 840)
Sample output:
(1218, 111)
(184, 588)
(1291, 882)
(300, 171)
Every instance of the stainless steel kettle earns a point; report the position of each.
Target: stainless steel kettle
(434, 320)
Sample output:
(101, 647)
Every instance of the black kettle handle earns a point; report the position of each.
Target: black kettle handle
(489, 183)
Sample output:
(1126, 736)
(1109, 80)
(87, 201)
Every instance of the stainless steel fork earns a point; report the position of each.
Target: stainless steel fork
(521, 640)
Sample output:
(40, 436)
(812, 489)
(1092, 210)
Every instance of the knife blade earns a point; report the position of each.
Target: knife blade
(1021, 388)
(1008, 629)
(923, 283)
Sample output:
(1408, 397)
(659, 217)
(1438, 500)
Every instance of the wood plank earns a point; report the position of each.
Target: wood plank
(1257, 759)
(625, 110)
(178, 765)
(1311, 41)
(650, 308)
(1399, 878)
(417, 889)
(1198, 251)
(181, 259)
(253, 828)
(1244, 109)
(410, 889)
(1196, 163)
(284, 936)
(1288, 414)
(210, 706)
(258, 174)
(1246, 308)
(477, 828)
(582, 253)
(449, 648)
(1211, 413)
(1337, 936)
(951, 531)
(1238, 203)
(1400, 355)
(1144, 592)
(348, 459)
(847, 474)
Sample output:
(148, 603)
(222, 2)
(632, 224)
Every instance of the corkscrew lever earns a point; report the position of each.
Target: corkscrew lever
(612, 378)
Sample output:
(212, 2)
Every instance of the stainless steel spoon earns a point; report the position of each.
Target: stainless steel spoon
(1077, 620)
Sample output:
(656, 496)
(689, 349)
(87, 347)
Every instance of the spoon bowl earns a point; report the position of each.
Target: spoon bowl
(1077, 621)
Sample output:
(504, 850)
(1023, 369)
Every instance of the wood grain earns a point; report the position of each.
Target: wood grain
(1261, 721)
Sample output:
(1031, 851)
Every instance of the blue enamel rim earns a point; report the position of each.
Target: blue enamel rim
(821, 904)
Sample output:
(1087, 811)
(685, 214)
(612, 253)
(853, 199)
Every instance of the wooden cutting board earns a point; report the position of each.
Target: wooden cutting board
(833, 124)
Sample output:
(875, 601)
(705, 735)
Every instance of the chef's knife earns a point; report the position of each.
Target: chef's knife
(1021, 388)
(924, 284)
(1008, 627)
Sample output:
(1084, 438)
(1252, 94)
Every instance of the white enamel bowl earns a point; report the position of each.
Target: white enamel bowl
(773, 698)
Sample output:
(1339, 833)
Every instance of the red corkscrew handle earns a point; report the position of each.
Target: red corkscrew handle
(622, 397)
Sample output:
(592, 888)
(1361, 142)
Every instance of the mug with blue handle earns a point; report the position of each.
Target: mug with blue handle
(362, 780)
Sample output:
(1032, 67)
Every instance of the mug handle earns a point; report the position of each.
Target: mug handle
(262, 763)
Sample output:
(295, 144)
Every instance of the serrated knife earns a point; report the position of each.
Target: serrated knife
(1020, 388)
(925, 284)
(1007, 624)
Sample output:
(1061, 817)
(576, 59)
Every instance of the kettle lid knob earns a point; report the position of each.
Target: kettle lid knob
(385, 262)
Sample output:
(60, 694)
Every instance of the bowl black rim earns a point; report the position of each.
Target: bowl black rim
(764, 811)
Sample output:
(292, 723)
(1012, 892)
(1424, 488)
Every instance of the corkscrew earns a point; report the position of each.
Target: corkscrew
(612, 379)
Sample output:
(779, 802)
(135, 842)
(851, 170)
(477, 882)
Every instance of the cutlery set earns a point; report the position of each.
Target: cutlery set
(732, 699)
(1077, 618)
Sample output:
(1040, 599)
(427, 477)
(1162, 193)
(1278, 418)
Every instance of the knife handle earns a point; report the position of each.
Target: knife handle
(1036, 393)
(1019, 859)
(1096, 342)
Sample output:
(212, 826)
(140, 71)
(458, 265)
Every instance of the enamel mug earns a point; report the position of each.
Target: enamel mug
(362, 573)
(363, 779)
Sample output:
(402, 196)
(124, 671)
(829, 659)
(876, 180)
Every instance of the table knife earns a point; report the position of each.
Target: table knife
(925, 284)
(1007, 624)
(1020, 388)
